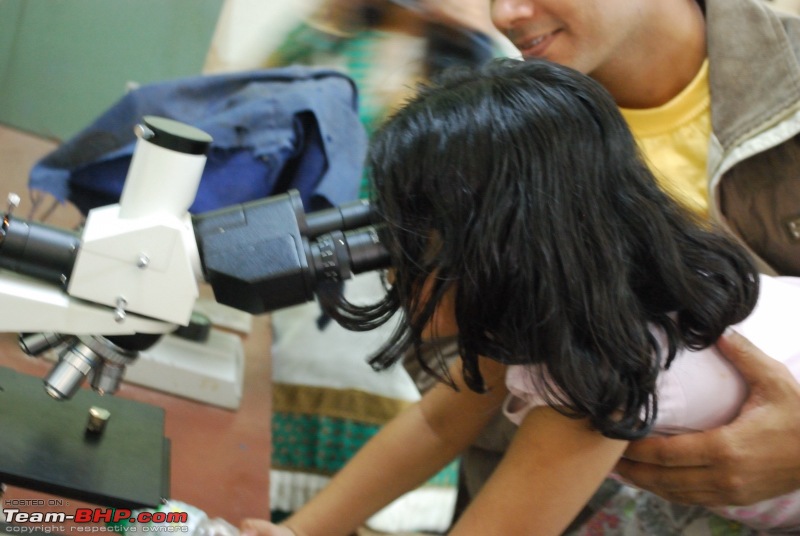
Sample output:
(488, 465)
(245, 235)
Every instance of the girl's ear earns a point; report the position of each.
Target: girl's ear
(443, 323)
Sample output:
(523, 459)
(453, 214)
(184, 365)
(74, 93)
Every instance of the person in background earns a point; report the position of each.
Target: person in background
(388, 46)
(327, 401)
(585, 301)
(710, 91)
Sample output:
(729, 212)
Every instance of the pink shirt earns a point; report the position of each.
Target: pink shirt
(702, 390)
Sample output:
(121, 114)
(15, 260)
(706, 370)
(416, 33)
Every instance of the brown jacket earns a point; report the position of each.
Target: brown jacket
(754, 153)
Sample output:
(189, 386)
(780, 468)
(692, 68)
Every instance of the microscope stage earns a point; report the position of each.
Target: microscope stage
(45, 445)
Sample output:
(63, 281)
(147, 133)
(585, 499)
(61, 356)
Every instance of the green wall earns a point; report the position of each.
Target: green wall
(63, 62)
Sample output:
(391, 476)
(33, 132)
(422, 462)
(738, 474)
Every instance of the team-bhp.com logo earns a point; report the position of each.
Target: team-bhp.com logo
(130, 520)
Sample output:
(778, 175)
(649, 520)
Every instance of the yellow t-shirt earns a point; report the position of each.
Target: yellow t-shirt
(674, 139)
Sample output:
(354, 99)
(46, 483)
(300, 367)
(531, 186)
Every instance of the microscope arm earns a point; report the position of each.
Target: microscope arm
(30, 305)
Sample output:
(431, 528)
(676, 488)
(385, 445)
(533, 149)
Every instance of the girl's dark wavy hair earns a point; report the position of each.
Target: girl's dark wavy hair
(519, 187)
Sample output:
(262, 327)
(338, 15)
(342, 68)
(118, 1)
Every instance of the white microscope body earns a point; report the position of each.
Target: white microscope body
(137, 267)
(132, 272)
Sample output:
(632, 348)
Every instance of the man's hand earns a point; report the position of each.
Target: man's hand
(755, 457)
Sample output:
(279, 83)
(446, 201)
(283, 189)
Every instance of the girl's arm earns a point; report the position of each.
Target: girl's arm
(403, 455)
(550, 471)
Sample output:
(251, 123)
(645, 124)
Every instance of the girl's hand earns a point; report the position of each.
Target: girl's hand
(262, 527)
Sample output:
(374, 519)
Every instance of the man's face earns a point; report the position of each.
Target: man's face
(586, 35)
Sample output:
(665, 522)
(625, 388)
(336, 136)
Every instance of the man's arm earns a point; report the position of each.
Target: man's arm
(753, 458)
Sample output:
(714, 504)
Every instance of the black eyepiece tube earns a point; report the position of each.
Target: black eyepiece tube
(340, 218)
(259, 256)
(337, 255)
(38, 250)
(367, 252)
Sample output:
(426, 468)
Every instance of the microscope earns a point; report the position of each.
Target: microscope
(100, 296)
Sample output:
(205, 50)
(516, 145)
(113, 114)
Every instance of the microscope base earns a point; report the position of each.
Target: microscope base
(211, 372)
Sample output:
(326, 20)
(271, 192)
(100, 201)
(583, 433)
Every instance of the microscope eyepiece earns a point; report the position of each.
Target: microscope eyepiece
(268, 254)
(337, 255)
(346, 216)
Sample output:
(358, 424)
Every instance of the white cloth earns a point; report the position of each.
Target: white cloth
(336, 359)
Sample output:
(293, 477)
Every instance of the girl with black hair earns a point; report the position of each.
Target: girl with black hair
(522, 220)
